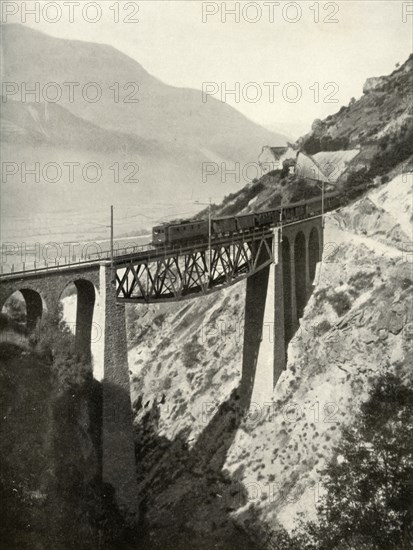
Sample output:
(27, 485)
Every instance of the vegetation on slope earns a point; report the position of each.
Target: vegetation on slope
(369, 494)
(51, 493)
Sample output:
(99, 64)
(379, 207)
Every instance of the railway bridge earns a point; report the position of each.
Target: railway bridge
(278, 263)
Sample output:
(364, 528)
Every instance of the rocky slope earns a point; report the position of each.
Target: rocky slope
(185, 362)
(379, 124)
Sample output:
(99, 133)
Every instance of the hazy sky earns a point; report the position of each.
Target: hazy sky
(173, 43)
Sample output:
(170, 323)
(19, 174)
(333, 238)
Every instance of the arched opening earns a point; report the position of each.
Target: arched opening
(313, 252)
(300, 278)
(286, 264)
(78, 307)
(22, 311)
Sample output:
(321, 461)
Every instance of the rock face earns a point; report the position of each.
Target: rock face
(208, 471)
(374, 83)
(379, 123)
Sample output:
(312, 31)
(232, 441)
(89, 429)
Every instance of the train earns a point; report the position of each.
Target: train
(186, 231)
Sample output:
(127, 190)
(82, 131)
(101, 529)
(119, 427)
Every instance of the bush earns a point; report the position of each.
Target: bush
(191, 351)
(341, 302)
(368, 489)
(301, 189)
(51, 493)
(323, 327)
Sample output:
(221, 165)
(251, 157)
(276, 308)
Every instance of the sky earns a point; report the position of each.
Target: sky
(292, 62)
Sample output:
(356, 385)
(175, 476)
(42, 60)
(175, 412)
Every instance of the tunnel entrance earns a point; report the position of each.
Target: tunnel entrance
(300, 274)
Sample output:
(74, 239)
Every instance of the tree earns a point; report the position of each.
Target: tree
(369, 494)
(369, 490)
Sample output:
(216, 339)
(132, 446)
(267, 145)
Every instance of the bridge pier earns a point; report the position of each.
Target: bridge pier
(308, 282)
(257, 350)
(271, 307)
(118, 450)
(84, 317)
(264, 349)
(280, 337)
(292, 282)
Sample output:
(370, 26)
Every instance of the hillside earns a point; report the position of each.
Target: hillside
(51, 493)
(363, 144)
(185, 361)
(33, 134)
(379, 124)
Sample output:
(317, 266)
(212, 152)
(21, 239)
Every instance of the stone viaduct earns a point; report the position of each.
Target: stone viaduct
(275, 299)
(42, 292)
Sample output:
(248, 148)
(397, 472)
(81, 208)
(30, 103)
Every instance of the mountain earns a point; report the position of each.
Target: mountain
(170, 132)
(163, 112)
(291, 130)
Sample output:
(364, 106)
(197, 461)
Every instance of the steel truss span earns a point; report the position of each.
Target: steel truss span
(181, 274)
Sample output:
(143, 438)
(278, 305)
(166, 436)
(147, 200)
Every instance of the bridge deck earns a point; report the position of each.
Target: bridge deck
(147, 253)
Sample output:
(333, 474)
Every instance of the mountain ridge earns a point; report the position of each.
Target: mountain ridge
(170, 134)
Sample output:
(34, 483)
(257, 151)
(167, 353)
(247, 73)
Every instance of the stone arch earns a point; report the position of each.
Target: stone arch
(286, 277)
(86, 298)
(313, 252)
(35, 306)
(300, 272)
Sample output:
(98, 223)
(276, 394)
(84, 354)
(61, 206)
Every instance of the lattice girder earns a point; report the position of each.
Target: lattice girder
(177, 275)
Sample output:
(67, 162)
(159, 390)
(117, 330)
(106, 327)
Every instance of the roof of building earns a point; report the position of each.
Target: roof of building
(278, 151)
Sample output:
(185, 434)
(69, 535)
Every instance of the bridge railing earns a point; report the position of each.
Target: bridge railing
(148, 250)
(67, 261)
(129, 253)
(34, 266)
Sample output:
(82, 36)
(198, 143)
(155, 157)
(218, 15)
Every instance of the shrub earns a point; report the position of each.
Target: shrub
(323, 327)
(340, 301)
(190, 353)
(368, 489)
